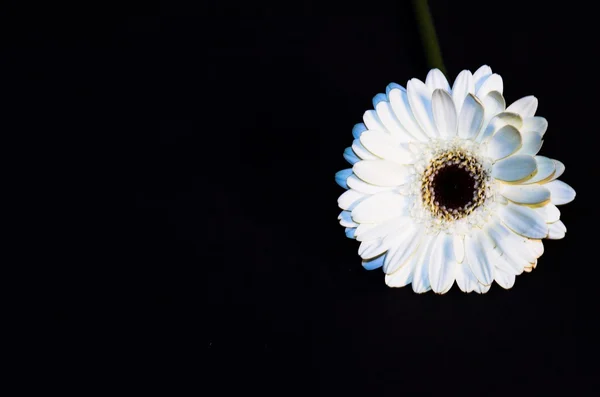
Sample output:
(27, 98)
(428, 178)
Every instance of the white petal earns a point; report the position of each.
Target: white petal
(470, 118)
(513, 168)
(400, 254)
(350, 232)
(463, 85)
(345, 218)
(556, 230)
(526, 106)
(492, 83)
(560, 192)
(350, 156)
(420, 281)
(497, 122)
(372, 121)
(361, 151)
(523, 220)
(444, 113)
(560, 168)
(358, 129)
(537, 124)
(391, 123)
(342, 176)
(436, 80)
(510, 245)
(382, 172)
(384, 228)
(350, 198)
(370, 249)
(504, 279)
(361, 186)
(549, 212)
(419, 97)
(536, 247)
(383, 145)
(478, 260)
(481, 75)
(545, 169)
(526, 194)
(379, 207)
(465, 279)
(399, 101)
(493, 104)
(442, 265)
(504, 142)
(532, 143)
(459, 248)
(374, 263)
(496, 257)
(403, 276)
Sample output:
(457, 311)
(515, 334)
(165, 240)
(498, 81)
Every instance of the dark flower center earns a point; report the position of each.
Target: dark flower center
(453, 185)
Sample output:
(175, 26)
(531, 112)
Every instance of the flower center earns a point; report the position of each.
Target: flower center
(453, 185)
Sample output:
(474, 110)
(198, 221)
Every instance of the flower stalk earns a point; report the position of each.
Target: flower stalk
(428, 35)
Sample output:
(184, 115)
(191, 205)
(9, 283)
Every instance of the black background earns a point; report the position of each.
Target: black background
(217, 257)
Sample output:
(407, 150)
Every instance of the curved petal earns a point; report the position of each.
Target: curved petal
(350, 198)
(420, 281)
(525, 107)
(401, 107)
(497, 122)
(504, 279)
(379, 207)
(404, 249)
(532, 143)
(560, 192)
(382, 172)
(359, 185)
(385, 228)
(436, 80)
(512, 169)
(478, 259)
(358, 129)
(419, 97)
(492, 83)
(442, 265)
(342, 176)
(372, 121)
(481, 75)
(362, 152)
(350, 156)
(556, 230)
(523, 221)
(463, 85)
(493, 104)
(345, 218)
(374, 263)
(545, 170)
(504, 142)
(465, 279)
(526, 194)
(444, 113)
(537, 124)
(391, 123)
(384, 146)
(470, 118)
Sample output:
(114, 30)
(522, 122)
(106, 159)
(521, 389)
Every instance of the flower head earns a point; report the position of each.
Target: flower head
(446, 184)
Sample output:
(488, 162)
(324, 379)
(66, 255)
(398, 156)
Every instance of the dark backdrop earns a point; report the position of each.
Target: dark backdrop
(224, 263)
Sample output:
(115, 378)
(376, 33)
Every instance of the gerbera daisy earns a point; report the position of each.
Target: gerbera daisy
(446, 184)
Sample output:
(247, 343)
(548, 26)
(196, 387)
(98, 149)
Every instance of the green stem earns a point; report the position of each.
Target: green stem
(428, 36)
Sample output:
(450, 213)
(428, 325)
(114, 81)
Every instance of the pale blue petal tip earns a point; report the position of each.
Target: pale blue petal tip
(374, 263)
(358, 129)
(350, 232)
(391, 86)
(350, 156)
(342, 176)
(379, 98)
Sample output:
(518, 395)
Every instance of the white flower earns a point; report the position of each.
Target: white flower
(446, 185)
